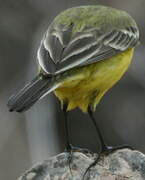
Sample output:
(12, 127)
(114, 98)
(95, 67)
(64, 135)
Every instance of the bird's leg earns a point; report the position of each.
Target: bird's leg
(103, 145)
(69, 147)
(104, 148)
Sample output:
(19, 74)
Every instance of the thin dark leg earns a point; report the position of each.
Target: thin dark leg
(69, 148)
(103, 145)
(104, 148)
(68, 145)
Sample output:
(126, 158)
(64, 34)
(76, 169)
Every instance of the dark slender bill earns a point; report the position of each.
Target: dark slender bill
(32, 92)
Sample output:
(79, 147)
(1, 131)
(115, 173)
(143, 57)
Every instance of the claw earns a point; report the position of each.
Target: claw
(70, 150)
(110, 149)
(70, 155)
(106, 150)
(91, 165)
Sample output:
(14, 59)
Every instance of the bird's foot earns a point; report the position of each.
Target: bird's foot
(106, 150)
(71, 149)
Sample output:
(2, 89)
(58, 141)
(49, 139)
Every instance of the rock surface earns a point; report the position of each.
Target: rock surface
(123, 164)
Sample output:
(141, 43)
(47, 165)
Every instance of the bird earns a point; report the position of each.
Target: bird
(84, 52)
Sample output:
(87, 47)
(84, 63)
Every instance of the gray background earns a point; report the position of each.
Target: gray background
(39, 133)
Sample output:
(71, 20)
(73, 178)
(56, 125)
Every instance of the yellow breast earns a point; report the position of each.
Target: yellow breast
(85, 86)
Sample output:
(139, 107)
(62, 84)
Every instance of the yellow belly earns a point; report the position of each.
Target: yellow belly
(85, 86)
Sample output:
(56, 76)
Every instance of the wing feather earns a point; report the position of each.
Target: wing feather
(44, 59)
(78, 59)
(84, 48)
(54, 45)
(78, 46)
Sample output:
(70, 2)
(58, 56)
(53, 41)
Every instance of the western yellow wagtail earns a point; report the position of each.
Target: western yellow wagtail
(84, 52)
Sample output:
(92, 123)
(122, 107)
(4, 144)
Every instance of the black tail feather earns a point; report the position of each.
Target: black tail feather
(32, 92)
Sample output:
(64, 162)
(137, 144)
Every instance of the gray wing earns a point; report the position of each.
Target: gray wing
(59, 51)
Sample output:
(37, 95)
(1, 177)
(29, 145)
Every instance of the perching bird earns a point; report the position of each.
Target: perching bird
(84, 52)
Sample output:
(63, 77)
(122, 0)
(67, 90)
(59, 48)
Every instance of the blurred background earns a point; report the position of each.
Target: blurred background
(39, 133)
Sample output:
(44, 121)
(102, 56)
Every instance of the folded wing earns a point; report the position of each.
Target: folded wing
(60, 50)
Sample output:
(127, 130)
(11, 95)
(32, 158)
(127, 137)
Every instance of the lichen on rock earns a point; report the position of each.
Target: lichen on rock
(123, 164)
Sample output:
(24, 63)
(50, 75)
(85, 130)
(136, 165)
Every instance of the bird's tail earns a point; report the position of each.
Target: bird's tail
(33, 91)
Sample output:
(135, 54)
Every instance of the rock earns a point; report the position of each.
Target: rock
(123, 164)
